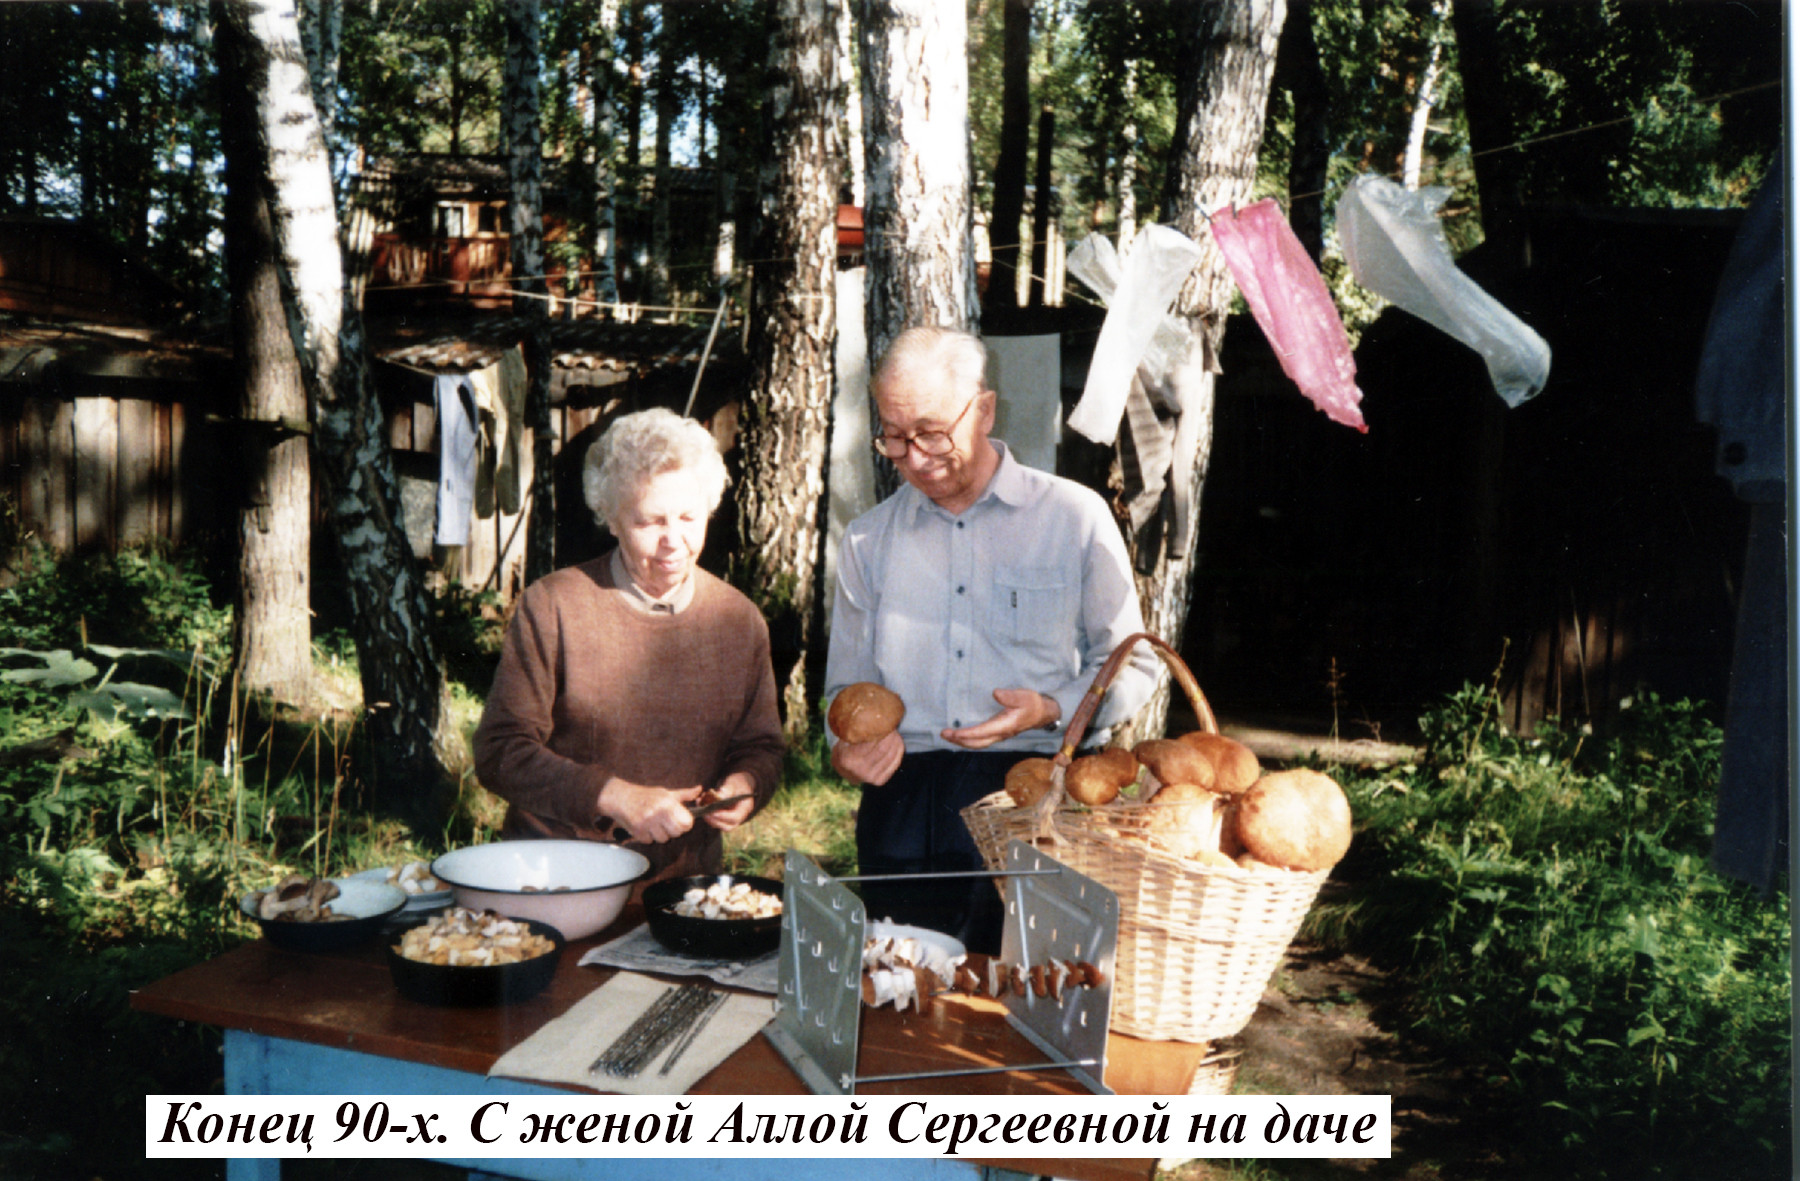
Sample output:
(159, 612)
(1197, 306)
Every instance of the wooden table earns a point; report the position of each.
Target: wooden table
(334, 1024)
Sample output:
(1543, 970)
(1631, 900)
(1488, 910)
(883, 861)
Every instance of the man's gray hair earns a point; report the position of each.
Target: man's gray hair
(931, 351)
(637, 447)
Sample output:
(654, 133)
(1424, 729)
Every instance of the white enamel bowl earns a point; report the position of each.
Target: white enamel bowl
(578, 887)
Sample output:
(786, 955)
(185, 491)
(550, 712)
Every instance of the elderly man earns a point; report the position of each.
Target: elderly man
(986, 595)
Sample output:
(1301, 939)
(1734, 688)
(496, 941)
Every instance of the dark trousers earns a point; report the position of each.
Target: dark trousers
(913, 824)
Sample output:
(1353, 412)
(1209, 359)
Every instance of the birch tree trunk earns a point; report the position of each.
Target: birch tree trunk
(787, 416)
(1426, 97)
(1227, 54)
(321, 31)
(403, 687)
(272, 616)
(525, 227)
(1128, 160)
(918, 226)
(606, 214)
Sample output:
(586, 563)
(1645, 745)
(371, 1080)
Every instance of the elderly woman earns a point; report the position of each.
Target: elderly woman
(633, 683)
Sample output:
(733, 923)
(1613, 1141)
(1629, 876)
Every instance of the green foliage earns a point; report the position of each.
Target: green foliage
(1644, 77)
(136, 599)
(1548, 901)
(106, 114)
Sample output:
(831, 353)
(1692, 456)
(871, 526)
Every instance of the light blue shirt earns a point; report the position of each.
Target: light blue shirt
(1029, 587)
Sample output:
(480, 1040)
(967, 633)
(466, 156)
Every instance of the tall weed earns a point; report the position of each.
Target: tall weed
(1549, 903)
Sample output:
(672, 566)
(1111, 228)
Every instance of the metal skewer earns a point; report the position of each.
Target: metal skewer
(693, 1032)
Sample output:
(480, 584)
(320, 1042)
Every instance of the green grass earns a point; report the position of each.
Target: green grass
(813, 812)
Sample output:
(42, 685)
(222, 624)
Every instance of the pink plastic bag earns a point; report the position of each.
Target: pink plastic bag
(1291, 304)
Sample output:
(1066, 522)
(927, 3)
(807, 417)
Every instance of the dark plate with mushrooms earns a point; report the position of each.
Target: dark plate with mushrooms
(322, 914)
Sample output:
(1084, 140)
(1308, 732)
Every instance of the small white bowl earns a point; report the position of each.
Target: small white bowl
(423, 900)
(578, 887)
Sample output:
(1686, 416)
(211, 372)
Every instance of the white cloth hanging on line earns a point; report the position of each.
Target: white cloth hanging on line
(458, 439)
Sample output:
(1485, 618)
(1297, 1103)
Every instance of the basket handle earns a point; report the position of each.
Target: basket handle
(1090, 702)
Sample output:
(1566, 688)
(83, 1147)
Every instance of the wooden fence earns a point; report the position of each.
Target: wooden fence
(91, 474)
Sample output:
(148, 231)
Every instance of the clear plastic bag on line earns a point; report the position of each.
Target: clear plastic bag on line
(1397, 249)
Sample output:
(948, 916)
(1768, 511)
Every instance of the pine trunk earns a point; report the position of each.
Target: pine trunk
(525, 227)
(1040, 211)
(409, 732)
(1227, 52)
(668, 109)
(1010, 164)
(917, 227)
(1297, 67)
(272, 616)
(787, 416)
(606, 218)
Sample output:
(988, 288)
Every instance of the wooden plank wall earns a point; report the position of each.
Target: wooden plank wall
(98, 474)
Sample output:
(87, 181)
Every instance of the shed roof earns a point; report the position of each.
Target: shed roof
(476, 343)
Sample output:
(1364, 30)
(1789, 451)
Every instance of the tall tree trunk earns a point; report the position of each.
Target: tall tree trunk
(634, 122)
(1227, 53)
(729, 131)
(403, 687)
(1041, 205)
(525, 226)
(1498, 181)
(787, 416)
(1426, 95)
(1476, 23)
(1010, 164)
(1297, 68)
(321, 32)
(668, 109)
(1128, 159)
(853, 116)
(272, 615)
(459, 94)
(917, 227)
(606, 216)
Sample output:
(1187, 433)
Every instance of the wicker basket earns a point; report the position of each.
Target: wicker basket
(1197, 944)
(1217, 1072)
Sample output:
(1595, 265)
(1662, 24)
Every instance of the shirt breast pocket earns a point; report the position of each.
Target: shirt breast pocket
(1034, 608)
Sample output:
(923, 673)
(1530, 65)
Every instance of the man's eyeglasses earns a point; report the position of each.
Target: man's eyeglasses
(929, 443)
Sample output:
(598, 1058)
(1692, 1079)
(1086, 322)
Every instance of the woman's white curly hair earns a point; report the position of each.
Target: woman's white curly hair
(639, 446)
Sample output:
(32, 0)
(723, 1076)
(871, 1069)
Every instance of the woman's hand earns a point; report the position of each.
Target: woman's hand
(650, 814)
(740, 787)
(869, 762)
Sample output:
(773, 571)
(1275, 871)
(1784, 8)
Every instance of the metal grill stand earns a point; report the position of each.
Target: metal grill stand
(1052, 912)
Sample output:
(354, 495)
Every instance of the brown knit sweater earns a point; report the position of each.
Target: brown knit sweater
(589, 687)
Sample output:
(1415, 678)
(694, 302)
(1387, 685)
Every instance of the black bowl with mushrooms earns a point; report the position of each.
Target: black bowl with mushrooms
(475, 984)
(322, 914)
(717, 938)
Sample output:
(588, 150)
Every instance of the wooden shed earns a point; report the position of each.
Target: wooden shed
(109, 403)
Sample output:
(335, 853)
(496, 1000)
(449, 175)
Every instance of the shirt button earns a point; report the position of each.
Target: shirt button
(959, 524)
(959, 590)
(959, 653)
